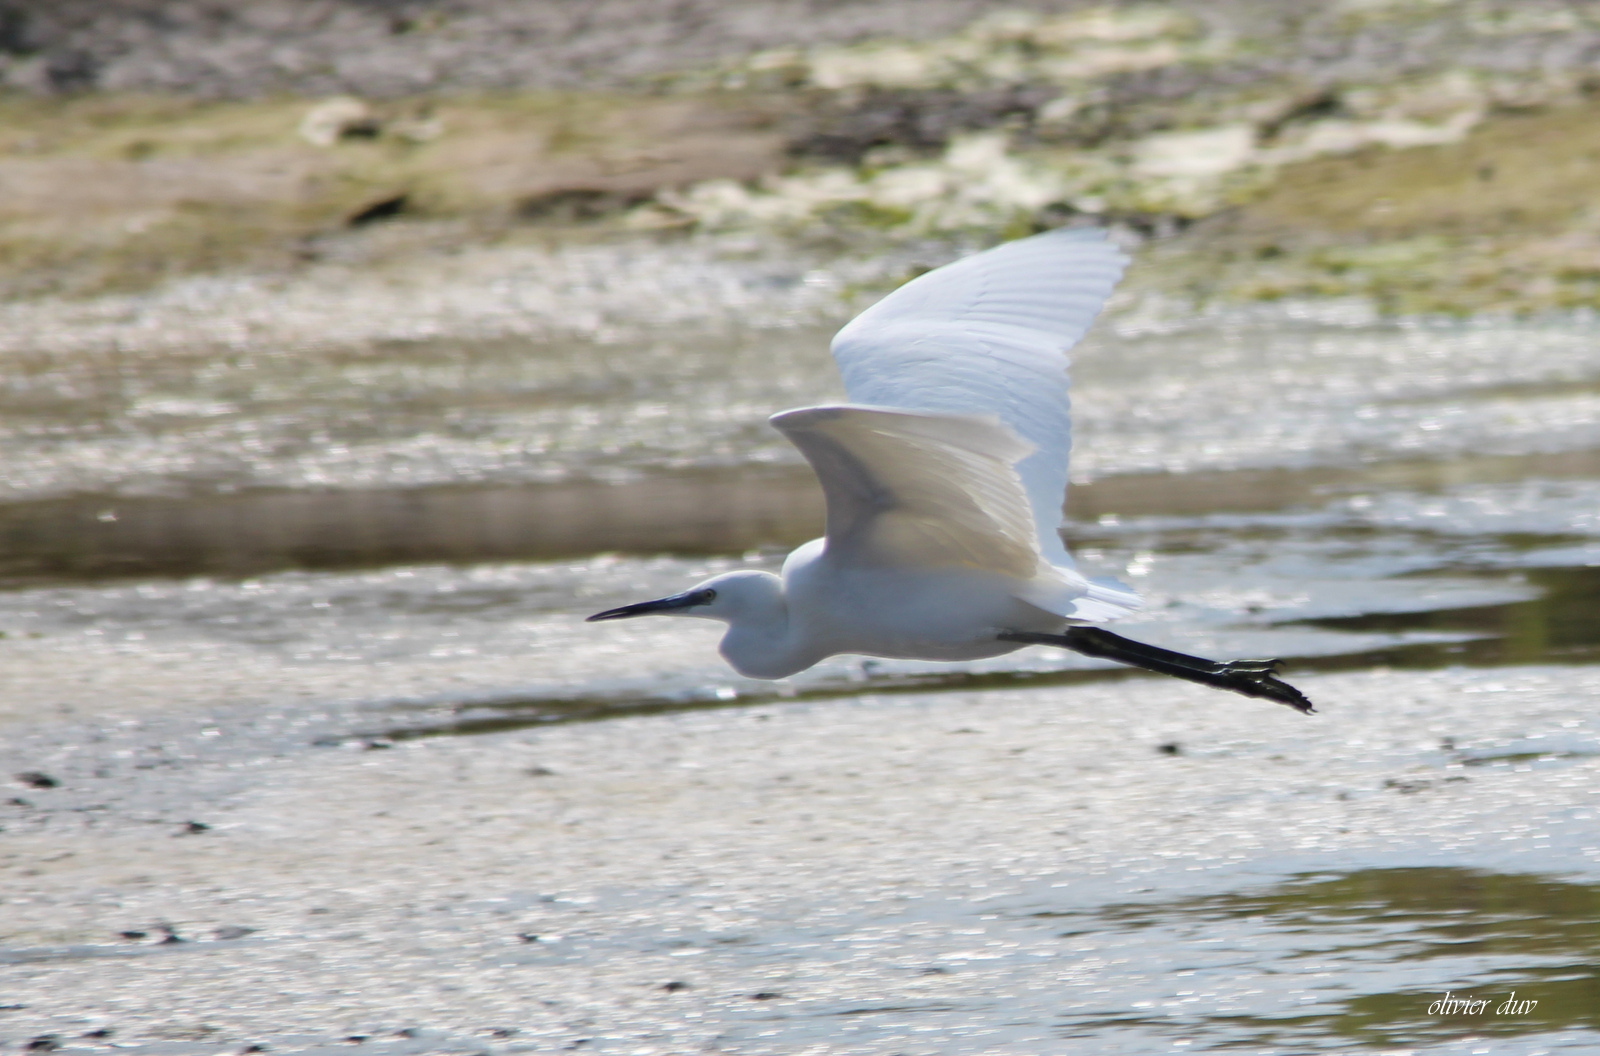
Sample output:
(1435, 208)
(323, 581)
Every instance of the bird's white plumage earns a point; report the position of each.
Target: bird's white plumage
(918, 493)
(945, 480)
(915, 490)
(944, 477)
(988, 335)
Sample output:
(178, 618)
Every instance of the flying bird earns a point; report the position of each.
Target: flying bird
(945, 478)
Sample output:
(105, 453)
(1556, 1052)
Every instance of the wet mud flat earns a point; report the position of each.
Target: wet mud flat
(1102, 868)
(474, 421)
(362, 807)
(321, 809)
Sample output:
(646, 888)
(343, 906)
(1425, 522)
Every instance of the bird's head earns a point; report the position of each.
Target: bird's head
(728, 597)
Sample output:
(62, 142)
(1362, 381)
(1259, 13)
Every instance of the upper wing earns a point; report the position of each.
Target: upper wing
(918, 489)
(987, 335)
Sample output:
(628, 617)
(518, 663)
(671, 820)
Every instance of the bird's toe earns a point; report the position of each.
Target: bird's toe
(1254, 678)
(1252, 667)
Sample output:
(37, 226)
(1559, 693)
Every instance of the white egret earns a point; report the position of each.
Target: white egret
(945, 479)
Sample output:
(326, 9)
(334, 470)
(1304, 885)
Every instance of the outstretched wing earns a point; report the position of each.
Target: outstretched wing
(988, 335)
(918, 490)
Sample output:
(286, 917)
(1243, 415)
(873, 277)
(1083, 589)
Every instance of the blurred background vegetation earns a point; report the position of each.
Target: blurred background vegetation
(1428, 155)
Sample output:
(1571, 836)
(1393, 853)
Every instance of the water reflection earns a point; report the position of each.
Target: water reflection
(690, 512)
(1560, 625)
(724, 510)
(1376, 948)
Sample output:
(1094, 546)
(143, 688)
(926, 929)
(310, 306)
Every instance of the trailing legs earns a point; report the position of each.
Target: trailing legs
(1253, 678)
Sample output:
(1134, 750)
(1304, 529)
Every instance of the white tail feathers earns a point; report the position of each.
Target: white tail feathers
(1106, 600)
(1065, 593)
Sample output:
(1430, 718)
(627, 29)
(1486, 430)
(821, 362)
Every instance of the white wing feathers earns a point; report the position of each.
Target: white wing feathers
(988, 335)
(907, 489)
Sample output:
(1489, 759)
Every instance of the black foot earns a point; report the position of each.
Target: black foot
(1253, 678)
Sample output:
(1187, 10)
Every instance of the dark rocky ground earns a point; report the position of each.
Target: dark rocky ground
(246, 48)
(382, 48)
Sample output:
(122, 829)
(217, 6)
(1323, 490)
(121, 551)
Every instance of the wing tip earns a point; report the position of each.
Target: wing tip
(1098, 236)
(803, 415)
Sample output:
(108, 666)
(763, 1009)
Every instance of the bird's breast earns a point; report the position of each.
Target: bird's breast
(924, 614)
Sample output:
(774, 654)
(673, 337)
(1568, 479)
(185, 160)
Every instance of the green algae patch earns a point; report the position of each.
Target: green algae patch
(1507, 219)
(1455, 185)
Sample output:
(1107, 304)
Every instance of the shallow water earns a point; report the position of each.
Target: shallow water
(378, 543)
(1387, 935)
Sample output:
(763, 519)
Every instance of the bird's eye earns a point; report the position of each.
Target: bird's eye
(707, 596)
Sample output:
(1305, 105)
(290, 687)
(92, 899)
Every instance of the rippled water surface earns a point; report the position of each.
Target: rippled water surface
(386, 542)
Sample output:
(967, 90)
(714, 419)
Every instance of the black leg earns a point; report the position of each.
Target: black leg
(1253, 678)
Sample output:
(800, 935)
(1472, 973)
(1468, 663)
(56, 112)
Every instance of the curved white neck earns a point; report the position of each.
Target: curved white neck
(762, 640)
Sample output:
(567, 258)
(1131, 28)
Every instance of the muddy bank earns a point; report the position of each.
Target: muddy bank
(1430, 158)
(113, 193)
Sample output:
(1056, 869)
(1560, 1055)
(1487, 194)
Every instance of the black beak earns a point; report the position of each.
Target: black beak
(687, 600)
